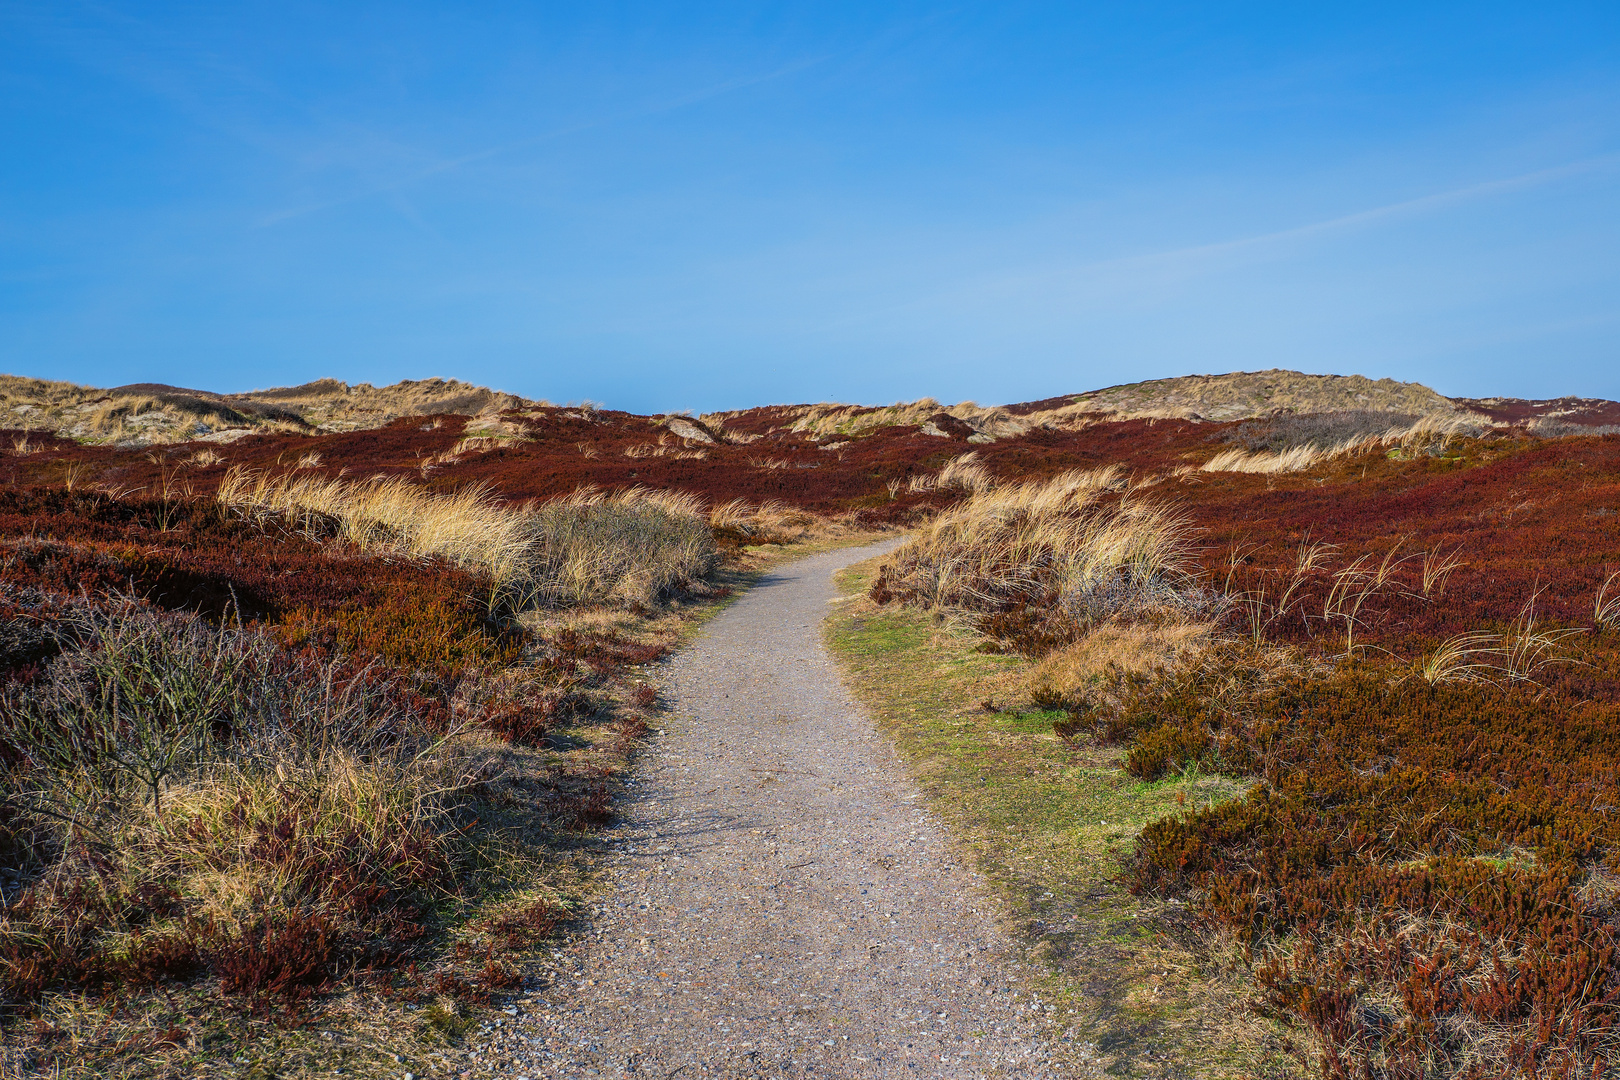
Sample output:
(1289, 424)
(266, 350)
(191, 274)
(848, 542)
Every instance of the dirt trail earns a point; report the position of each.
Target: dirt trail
(782, 906)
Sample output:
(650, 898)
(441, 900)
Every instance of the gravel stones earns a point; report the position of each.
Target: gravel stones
(781, 905)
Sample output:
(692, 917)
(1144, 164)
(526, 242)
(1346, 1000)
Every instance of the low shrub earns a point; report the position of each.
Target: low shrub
(198, 798)
(1422, 872)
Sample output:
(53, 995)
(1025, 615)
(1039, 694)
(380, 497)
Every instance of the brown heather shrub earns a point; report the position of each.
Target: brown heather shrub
(1424, 872)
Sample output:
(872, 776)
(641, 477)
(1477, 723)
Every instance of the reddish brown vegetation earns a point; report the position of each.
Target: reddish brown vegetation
(1422, 875)
(1425, 874)
(411, 637)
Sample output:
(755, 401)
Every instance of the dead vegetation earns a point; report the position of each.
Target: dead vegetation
(631, 546)
(147, 414)
(1411, 856)
(1035, 565)
(1293, 444)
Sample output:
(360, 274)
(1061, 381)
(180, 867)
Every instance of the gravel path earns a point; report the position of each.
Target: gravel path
(782, 906)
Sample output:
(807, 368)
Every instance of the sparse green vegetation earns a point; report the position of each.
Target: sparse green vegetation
(1052, 823)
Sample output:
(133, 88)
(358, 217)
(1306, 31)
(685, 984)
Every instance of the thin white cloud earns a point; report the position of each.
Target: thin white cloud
(1349, 222)
(682, 101)
(1129, 275)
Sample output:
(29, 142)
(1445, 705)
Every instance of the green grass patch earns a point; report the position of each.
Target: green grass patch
(1134, 985)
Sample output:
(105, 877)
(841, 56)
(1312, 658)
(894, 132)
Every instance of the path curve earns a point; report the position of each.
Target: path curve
(783, 905)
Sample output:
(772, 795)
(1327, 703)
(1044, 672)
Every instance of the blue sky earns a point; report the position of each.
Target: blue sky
(664, 207)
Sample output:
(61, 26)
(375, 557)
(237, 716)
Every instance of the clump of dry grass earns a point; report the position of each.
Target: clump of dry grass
(1427, 435)
(339, 406)
(1515, 654)
(1242, 395)
(631, 547)
(1111, 649)
(740, 522)
(964, 473)
(831, 420)
(665, 448)
(1036, 564)
(1552, 427)
(1245, 461)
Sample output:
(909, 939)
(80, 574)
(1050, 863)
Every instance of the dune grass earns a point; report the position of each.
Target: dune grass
(1425, 435)
(632, 546)
(1036, 564)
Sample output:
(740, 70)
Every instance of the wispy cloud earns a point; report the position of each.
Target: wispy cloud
(1424, 204)
(448, 165)
(1139, 274)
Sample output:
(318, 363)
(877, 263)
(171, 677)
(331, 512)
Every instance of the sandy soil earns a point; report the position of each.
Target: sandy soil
(782, 905)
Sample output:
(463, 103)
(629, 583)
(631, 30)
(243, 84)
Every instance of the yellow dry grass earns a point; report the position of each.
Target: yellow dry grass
(832, 420)
(1245, 395)
(1079, 542)
(1128, 649)
(338, 406)
(631, 546)
(1428, 434)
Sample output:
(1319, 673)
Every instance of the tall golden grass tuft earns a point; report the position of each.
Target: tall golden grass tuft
(633, 546)
(629, 547)
(1294, 459)
(1076, 550)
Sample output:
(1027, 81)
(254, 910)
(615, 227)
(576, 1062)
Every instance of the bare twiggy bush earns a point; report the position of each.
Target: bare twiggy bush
(198, 797)
(138, 704)
(1065, 554)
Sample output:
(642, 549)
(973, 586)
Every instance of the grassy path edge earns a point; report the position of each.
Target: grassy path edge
(1134, 988)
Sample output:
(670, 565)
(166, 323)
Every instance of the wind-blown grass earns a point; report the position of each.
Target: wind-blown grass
(1319, 441)
(633, 546)
(182, 799)
(1038, 563)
